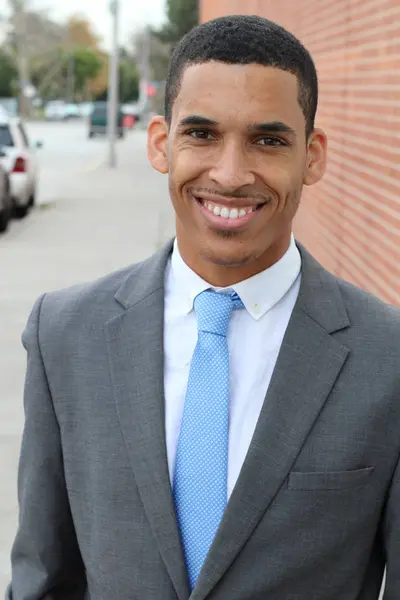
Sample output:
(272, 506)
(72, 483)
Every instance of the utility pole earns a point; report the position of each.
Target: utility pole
(113, 85)
(19, 20)
(71, 78)
(146, 68)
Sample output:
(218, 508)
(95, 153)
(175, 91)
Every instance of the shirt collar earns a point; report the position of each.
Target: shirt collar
(259, 293)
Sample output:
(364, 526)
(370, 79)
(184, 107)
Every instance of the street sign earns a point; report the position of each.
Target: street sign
(30, 91)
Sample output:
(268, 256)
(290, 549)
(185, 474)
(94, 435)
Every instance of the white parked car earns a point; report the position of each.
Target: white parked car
(20, 161)
(5, 203)
(72, 112)
(3, 112)
(56, 110)
(85, 109)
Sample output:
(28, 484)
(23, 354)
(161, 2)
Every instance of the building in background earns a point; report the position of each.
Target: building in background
(351, 220)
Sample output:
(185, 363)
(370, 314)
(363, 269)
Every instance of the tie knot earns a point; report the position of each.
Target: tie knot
(214, 310)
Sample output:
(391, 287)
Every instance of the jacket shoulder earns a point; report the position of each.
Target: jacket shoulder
(364, 307)
(106, 297)
(85, 299)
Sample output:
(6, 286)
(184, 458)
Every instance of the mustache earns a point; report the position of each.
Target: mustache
(247, 194)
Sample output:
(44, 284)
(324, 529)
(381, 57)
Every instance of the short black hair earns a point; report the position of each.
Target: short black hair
(245, 39)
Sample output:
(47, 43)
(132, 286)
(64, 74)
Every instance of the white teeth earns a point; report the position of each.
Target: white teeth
(225, 213)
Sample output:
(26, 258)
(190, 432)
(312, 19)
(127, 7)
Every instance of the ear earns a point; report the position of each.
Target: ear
(157, 138)
(317, 147)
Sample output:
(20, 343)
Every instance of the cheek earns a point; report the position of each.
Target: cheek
(187, 164)
(184, 169)
(285, 182)
(286, 175)
(279, 178)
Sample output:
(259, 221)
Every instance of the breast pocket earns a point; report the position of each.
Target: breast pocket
(329, 480)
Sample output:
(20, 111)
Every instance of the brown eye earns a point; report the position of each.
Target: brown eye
(270, 141)
(200, 134)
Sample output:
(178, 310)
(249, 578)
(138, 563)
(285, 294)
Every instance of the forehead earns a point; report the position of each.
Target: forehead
(248, 93)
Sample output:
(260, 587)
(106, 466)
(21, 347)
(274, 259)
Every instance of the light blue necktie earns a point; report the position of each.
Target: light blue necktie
(201, 468)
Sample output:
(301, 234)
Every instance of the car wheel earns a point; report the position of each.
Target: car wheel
(20, 211)
(4, 220)
(91, 134)
(32, 200)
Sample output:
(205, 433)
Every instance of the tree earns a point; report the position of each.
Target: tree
(8, 74)
(44, 50)
(128, 78)
(54, 83)
(47, 74)
(76, 68)
(34, 40)
(32, 35)
(87, 65)
(42, 35)
(182, 16)
(19, 28)
(81, 35)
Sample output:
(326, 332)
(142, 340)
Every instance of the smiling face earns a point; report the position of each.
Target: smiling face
(237, 157)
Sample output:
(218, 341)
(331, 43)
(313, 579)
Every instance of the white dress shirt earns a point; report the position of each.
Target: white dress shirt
(254, 340)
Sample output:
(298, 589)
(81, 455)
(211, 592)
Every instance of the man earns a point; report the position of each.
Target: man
(222, 420)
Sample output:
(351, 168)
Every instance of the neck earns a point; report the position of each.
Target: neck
(219, 274)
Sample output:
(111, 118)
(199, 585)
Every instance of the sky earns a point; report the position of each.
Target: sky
(134, 14)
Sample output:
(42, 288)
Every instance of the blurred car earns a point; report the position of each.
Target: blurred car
(56, 110)
(132, 110)
(5, 201)
(3, 112)
(98, 120)
(20, 161)
(9, 106)
(72, 112)
(85, 109)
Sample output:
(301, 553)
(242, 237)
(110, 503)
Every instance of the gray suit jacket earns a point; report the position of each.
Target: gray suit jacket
(315, 514)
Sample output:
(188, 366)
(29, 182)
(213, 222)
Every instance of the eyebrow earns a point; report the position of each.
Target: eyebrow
(197, 120)
(267, 127)
(272, 127)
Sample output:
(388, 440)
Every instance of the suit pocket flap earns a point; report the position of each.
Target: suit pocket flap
(334, 480)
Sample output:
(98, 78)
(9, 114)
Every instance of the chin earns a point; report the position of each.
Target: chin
(228, 255)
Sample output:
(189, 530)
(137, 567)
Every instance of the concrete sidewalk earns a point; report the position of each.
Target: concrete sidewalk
(99, 221)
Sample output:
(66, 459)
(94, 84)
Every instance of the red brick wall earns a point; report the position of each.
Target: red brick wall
(351, 220)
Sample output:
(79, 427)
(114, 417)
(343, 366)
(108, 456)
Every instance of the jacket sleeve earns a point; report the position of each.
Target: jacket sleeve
(45, 559)
(392, 539)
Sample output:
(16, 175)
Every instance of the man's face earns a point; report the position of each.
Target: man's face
(237, 158)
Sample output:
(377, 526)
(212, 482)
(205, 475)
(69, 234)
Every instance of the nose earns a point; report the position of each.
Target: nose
(231, 170)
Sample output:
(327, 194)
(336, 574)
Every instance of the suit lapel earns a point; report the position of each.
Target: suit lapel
(135, 343)
(309, 363)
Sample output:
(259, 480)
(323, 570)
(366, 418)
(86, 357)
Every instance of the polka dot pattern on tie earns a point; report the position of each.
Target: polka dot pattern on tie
(200, 479)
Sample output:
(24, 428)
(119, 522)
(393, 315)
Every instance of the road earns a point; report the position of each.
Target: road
(90, 220)
(66, 154)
